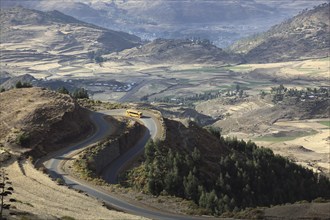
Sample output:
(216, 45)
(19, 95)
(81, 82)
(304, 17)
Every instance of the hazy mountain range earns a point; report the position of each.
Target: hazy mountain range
(222, 22)
(48, 34)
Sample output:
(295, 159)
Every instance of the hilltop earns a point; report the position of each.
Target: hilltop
(177, 51)
(303, 36)
(39, 120)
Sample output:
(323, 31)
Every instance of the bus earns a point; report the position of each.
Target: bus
(133, 113)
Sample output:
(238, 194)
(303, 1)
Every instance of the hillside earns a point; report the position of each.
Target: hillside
(220, 175)
(303, 36)
(40, 121)
(31, 34)
(177, 51)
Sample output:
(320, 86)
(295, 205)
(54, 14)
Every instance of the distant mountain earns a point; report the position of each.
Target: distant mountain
(304, 36)
(156, 11)
(11, 81)
(177, 51)
(222, 22)
(55, 33)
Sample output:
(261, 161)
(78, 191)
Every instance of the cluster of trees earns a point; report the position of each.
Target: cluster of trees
(96, 56)
(79, 93)
(280, 92)
(20, 84)
(189, 100)
(247, 176)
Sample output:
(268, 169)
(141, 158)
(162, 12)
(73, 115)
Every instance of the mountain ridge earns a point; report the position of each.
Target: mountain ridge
(177, 51)
(60, 33)
(303, 36)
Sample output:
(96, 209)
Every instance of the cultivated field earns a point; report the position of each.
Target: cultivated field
(310, 148)
(181, 80)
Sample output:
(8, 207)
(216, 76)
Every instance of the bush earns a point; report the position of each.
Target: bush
(59, 181)
(23, 140)
(320, 200)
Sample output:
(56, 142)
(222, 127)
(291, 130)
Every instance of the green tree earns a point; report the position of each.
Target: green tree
(240, 94)
(80, 93)
(63, 90)
(18, 84)
(237, 87)
(149, 151)
(190, 184)
(196, 156)
(99, 59)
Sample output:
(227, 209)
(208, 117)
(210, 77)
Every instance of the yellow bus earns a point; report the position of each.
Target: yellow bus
(133, 113)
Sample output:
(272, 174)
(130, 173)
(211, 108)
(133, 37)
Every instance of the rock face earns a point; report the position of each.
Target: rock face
(100, 155)
(303, 36)
(40, 121)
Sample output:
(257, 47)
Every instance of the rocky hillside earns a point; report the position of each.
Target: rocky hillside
(305, 35)
(43, 34)
(177, 51)
(39, 120)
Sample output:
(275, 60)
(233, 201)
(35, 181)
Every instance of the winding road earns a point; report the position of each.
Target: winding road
(103, 128)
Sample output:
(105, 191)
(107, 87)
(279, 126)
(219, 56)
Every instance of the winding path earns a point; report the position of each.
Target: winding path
(102, 129)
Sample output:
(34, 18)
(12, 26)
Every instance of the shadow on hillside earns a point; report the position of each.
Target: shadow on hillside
(63, 158)
(20, 165)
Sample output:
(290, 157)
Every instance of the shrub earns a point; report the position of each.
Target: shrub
(320, 200)
(67, 218)
(23, 139)
(59, 181)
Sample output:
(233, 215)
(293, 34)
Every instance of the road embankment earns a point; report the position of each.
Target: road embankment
(93, 160)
